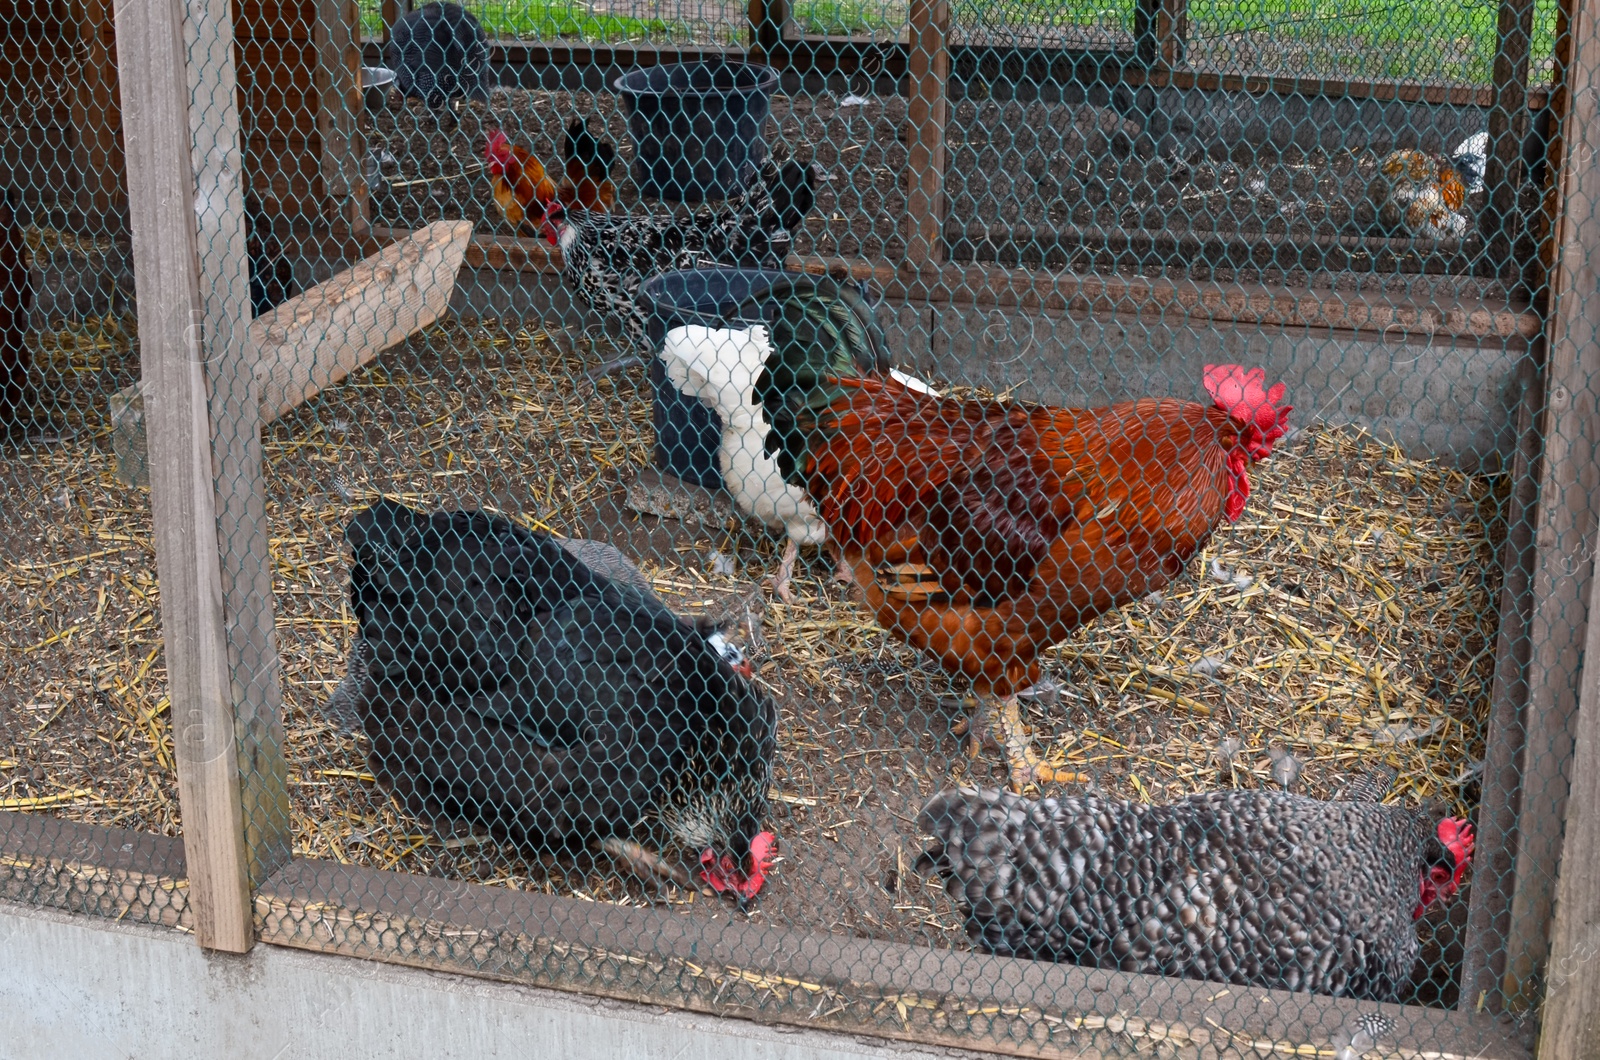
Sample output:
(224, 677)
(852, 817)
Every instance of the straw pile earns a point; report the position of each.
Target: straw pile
(1347, 619)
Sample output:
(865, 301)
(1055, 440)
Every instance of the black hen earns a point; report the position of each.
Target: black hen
(1255, 888)
(509, 686)
(605, 257)
(440, 54)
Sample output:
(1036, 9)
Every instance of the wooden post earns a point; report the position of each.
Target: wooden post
(768, 18)
(1569, 511)
(336, 31)
(1570, 1025)
(187, 212)
(1508, 125)
(1483, 963)
(927, 112)
(391, 12)
(1160, 28)
(96, 155)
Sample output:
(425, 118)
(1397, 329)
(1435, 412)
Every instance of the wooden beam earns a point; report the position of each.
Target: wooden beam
(1160, 29)
(316, 339)
(1569, 1027)
(155, 66)
(768, 19)
(236, 456)
(1501, 222)
(927, 113)
(1494, 859)
(337, 77)
(1569, 503)
(959, 999)
(97, 154)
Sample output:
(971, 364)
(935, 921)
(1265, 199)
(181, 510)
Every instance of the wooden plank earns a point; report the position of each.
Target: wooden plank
(1569, 497)
(316, 339)
(338, 85)
(156, 95)
(1494, 859)
(1442, 319)
(236, 454)
(134, 877)
(761, 971)
(96, 118)
(1569, 1026)
(927, 112)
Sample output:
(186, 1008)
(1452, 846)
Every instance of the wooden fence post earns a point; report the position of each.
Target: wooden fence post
(927, 114)
(181, 122)
(1569, 512)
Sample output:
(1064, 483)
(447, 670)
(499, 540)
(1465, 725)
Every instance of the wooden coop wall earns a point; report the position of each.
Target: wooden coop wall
(60, 119)
(299, 81)
(61, 114)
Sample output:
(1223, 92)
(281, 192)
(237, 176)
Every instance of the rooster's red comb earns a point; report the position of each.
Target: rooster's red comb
(499, 145)
(1244, 397)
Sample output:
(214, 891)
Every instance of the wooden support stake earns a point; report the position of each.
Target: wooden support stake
(336, 33)
(156, 69)
(927, 113)
(1569, 511)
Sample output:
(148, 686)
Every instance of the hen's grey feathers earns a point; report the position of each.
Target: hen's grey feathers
(1257, 888)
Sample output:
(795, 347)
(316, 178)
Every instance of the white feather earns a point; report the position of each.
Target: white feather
(719, 366)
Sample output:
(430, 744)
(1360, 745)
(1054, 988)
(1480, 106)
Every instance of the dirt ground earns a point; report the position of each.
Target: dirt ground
(1348, 542)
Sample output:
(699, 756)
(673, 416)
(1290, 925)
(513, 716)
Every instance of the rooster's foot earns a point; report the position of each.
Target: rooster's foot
(780, 581)
(1003, 726)
(842, 574)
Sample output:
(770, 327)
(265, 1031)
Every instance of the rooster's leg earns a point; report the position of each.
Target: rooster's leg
(999, 722)
(843, 573)
(780, 581)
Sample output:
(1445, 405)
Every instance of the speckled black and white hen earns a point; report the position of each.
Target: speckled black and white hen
(605, 256)
(1254, 888)
(507, 685)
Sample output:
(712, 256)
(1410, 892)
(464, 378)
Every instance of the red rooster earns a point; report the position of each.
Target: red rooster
(983, 531)
(523, 191)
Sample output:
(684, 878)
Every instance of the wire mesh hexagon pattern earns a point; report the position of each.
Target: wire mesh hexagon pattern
(1042, 527)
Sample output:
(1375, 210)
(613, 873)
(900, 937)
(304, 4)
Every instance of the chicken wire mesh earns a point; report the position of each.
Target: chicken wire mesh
(527, 556)
(84, 715)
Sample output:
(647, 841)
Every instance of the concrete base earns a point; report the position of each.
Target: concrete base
(78, 987)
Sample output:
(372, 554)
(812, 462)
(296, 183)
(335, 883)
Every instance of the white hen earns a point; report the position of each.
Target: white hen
(719, 366)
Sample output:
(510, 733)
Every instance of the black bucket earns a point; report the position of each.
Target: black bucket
(688, 433)
(695, 126)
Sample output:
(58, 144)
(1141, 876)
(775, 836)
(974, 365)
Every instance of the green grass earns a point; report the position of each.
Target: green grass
(1400, 39)
(549, 20)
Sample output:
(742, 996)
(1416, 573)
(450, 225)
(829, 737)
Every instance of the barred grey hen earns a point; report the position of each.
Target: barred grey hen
(1253, 888)
(606, 256)
(440, 54)
(509, 686)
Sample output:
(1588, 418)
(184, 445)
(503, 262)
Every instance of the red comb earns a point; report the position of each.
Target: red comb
(1243, 396)
(1457, 837)
(723, 875)
(498, 145)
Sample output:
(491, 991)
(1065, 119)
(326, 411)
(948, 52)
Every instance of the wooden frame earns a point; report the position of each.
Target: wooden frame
(927, 115)
(758, 972)
(205, 459)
